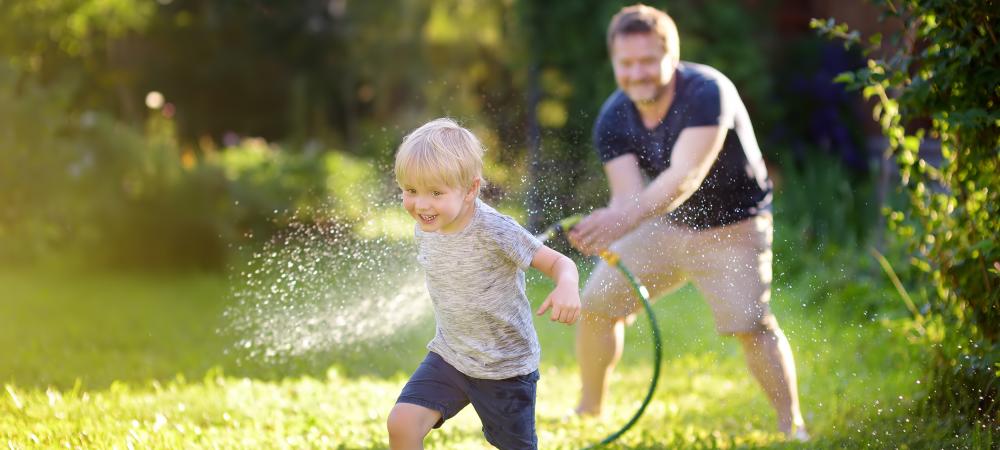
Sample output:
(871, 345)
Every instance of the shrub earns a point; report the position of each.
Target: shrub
(87, 184)
(953, 213)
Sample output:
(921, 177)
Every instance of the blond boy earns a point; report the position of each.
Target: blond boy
(485, 351)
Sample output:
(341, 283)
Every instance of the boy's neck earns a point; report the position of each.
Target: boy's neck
(464, 219)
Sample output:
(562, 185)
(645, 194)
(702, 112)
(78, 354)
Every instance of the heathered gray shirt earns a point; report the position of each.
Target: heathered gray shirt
(475, 278)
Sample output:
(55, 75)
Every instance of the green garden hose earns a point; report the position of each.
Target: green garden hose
(612, 259)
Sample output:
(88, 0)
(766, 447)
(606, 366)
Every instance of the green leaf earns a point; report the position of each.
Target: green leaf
(875, 40)
(983, 244)
(844, 77)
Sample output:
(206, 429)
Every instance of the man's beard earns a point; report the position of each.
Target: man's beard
(656, 95)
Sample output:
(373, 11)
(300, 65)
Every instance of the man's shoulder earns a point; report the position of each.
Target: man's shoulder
(614, 111)
(698, 71)
(702, 78)
(615, 102)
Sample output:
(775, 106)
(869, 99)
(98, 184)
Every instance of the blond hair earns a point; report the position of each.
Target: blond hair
(639, 19)
(440, 151)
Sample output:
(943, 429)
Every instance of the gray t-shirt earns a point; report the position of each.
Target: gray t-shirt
(476, 282)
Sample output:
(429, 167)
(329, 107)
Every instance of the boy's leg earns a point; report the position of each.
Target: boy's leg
(434, 393)
(408, 424)
(650, 252)
(507, 409)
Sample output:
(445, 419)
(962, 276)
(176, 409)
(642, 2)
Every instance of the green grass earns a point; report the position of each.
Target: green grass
(102, 360)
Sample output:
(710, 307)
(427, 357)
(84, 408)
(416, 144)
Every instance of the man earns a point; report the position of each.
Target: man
(704, 216)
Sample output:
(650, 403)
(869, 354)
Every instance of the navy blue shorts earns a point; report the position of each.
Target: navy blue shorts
(506, 407)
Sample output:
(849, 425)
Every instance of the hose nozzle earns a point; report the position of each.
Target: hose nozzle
(560, 227)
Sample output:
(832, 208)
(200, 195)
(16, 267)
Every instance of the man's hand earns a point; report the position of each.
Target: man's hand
(565, 303)
(598, 230)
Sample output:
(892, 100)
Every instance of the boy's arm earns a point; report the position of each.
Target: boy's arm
(565, 298)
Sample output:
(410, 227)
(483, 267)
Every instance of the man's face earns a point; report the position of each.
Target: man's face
(642, 67)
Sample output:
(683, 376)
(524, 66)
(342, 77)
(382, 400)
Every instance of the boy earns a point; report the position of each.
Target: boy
(485, 351)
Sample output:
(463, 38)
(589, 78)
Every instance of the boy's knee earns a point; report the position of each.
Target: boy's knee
(400, 425)
(407, 423)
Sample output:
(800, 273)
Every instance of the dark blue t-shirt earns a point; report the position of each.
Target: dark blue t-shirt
(736, 187)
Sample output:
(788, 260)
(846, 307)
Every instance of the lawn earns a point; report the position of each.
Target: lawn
(103, 360)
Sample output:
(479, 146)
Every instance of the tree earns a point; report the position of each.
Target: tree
(946, 68)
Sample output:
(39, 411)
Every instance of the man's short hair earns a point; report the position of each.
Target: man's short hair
(641, 19)
(440, 152)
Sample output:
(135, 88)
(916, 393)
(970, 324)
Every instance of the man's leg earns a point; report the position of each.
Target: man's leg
(608, 299)
(734, 273)
(599, 343)
(769, 358)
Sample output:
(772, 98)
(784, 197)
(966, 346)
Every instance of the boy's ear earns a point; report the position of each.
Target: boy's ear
(474, 190)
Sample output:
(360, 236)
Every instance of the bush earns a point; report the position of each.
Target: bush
(953, 215)
(89, 184)
(38, 165)
(825, 214)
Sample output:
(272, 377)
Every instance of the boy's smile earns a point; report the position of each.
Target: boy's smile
(439, 208)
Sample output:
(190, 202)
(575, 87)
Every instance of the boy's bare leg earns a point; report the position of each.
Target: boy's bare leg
(599, 343)
(769, 357)
(408, 424)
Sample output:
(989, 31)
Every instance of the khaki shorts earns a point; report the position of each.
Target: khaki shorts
(730, 265)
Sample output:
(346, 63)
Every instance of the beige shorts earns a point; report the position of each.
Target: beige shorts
(730, 265)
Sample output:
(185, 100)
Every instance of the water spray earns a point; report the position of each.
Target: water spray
(611, 258)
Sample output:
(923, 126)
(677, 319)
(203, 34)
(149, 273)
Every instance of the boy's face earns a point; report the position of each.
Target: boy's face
(439, 208)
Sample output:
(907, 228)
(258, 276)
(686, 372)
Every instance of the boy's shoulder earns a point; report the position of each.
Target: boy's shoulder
(491, 219)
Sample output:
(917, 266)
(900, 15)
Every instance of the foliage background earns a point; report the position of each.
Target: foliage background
(950, 222)
(258, 97)
(178, 137)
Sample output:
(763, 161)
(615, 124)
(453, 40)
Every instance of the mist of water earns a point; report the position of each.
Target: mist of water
(319, 289)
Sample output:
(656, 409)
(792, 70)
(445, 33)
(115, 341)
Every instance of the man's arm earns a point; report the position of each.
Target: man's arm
(624, 180)
(565, 298)
(695, 151)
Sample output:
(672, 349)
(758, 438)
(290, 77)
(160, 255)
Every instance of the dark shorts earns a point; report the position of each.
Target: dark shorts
(506, 407)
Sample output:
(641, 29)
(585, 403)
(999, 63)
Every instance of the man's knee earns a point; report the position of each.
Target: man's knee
(606, 302)
(767, 328)
(602, 319)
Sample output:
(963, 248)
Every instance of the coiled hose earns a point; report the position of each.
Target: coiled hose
(611, 258)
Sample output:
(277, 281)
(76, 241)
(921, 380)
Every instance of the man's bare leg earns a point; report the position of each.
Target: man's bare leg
(769, 357)
(599, 343)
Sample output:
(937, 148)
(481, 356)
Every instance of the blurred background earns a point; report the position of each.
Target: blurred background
(202, 189)
(153, 135)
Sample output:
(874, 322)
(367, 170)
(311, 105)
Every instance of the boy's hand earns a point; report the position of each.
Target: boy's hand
(565, 298)
(565, 303)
